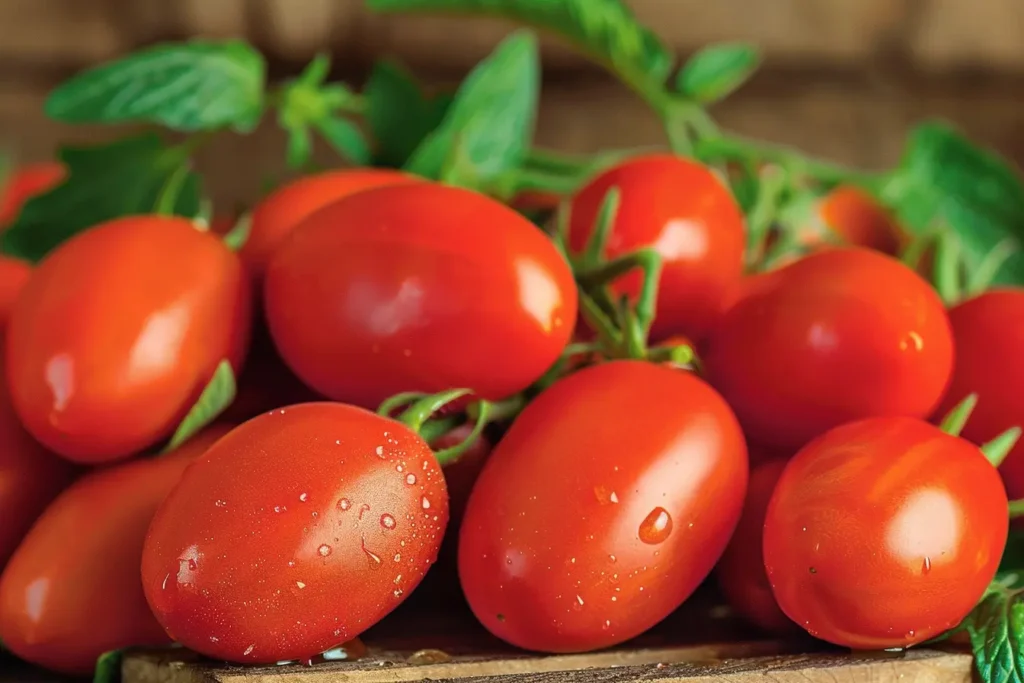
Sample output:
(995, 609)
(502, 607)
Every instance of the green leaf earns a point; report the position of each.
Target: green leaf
(996, 630)
(108, 667)
(346, 139)
(606, 30)
(717, 70)
(489, 127)
(300, 146)
(122, 178)
(196, 85)
(399, 114)
(214, 400)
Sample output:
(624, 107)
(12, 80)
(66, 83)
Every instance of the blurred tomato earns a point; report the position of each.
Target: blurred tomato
(857, 219)
(23, 184)
(14, 273)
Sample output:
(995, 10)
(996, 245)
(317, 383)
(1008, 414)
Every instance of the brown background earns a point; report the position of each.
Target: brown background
(843, 78)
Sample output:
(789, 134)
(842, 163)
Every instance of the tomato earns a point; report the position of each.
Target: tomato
(418, 287)
(884, 533)
(119, 330)
(989, 335)
(604, 506)
(295, 533)
(740, 572)
(857, 219)
(71, 591)
(283, 209)
(14, 273)
(24, 184)
(687, 215)
(840, 335)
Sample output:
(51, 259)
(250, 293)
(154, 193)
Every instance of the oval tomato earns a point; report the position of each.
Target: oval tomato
(71, 591)
(989, 335)
(884, 533)
(295, 533)
(688, 216)
(418, 287)
(604, 506)
(119, 330)
(27, 182)
(284, 208)
(740, 572)
(857, 219)
(840, 335)
(14, 273)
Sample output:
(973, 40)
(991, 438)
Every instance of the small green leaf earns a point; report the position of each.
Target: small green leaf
(108, 667)
(300, 146)
(316, 71)
(236, 238)
(214, 400)
(399, 114)
(346, 139)
(196, 85)
(956, 419)
(103, 182)
(996, 630)
(717, 70)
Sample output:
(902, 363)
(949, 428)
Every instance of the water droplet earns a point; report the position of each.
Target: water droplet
(344, 504)
(611, 557)
(387, 521)
(363, 509)
(398, 579)
(221, 503)
(656, 527)
(398, 557)
(813, 570)
(214, 639)
(291, 563)
(324, 550)
(374, 559)
(910, 634)
(398, 592)
(803, 529)
(163, 586)
(303, 496)
(613, 497)
(300, 584)
(337, 442)
(379, 451)
(249, 650)
(572, 560)
(410, 479)
(399, 468)
(606, 625)
(926, 566)
(280, 508)
(425, 503)
(579, 599)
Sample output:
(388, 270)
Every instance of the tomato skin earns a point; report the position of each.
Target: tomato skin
(859, 220)
(884, 533)
(25, 183)
(71, 591)
(254, 560)
(840, 335)
(418, 288)
(604, 506)
(283, 209)
(689, 216)
(740, 572)
(989, 335)
(14, 273)
(118, 331)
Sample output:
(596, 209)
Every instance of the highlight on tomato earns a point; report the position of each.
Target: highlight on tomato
(604, 506)
(118, 331)
(24, 183)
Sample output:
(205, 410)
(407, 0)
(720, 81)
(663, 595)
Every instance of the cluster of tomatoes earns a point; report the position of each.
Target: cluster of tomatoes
(584, 483)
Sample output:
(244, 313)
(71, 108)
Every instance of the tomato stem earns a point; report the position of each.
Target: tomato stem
(171, 190)
(955, 420)
(647, 260)
(948, 277)
(447, 456)
(982, 276)
(422, 408)
(608, 211)
(236, 238)
(435, 428)
(610, 336)
(1016, 509)
(761, 216)
(679, 355)
(998, 448)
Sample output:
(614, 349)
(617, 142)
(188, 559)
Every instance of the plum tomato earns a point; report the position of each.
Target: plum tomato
(688, 215)
(284, 208)
(740, 572)
(72, 591)
(989, 334)
(14, 273)
(420, 287)
(884, 533)
(604, 506)
(25, 183)
(840, 335)
(299, 530)
(119, 330)
(857, 219)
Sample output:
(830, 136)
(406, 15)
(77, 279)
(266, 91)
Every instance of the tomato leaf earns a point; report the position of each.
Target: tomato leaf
(606, 30)
(108, 667)
(216, 397)
(300, 146)
(489, 126)
(196, 85)
(996, 630)
(346, 139)
(717, 70)
(399, 113)
(103, 182)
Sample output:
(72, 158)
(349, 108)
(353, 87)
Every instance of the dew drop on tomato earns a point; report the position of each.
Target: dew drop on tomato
(656, 527)
(387, 521)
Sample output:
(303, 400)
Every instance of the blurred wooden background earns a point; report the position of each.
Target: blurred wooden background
(843, 78)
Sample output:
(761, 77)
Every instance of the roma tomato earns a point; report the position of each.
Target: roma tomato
(884, 533)
(27, 182)
(418, 287)
(989, 335)
(840, 335)
(857, 219)
(740, 572)
(689, 217)
(14, 273)
(71, 591)
(298, 531)
(118, 331)
(283, 209)
(608, 501)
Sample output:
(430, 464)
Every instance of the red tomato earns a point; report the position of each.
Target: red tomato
(740, 572)
(857, 219)
(884, 533)
(24, 184)
(71, 591)
(255, 559)
(119, 330)
(14, 274)
(278, 213)
(840, 335)
(989, 335)
(687, 215)
(419, 287)
(604, 506)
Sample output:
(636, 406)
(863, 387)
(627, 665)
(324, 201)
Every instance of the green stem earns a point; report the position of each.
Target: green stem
(423, 406)
(759, 222)
(532, 180)
(648, 261)
(1016, 509)
(681, 355)
(947, 278)
(982, 277)
(434, 429)
(447, 456)
(500, 411)
(998, 448)
(594, 251)
(171, 191)
(599, 322)
(955, 420)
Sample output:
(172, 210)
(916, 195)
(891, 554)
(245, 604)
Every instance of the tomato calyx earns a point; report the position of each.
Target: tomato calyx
(996, 450)
(108, 667)
(235, 238)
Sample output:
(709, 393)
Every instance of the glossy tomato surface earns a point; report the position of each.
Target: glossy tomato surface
(989, 334)
(857, 219)
(418, 287)
(604, 506)
(283, 209)
(14, 273)
(71, 591)
(840, 335)
(884, 533)
(119, 330)
(301, 529)
(23, 184)
(688, 216)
